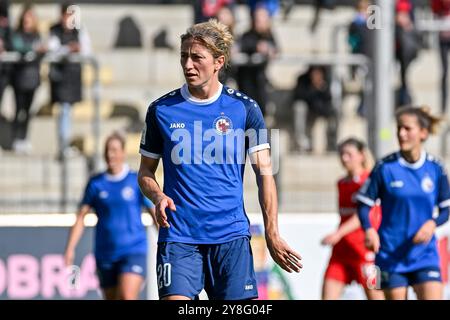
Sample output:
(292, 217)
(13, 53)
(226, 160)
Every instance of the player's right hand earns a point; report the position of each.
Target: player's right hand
(372, 240)
(160, 210)
(425, 232)
(69, 257)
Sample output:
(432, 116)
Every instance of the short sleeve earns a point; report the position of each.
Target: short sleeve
(89, 195)
(151, 140)
(255, 129)
(370, 191)
(443, 197)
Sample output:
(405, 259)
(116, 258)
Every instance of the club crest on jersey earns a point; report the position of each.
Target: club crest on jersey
(128, 193)
(427, 184)
(222, 124)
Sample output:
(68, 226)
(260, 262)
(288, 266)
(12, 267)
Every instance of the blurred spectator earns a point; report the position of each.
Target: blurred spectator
(4, 19)
(65, 76)
(360, 41)
(260, 46)
(226, 16)
(26, 74)
(313, 87)
(286, 8)
(358, 36)
(129, 35)
(5, 45)
(272, 6)
(5, 30)
(160, 40)
(206, 9)
(441, 9)
(407, 45)
(318, 6)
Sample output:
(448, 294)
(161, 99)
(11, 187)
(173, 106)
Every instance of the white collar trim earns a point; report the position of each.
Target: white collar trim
(189, 97)
(416, 165)
(120, 176)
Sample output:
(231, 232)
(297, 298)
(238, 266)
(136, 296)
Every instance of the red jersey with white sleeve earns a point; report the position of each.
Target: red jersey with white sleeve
(350, 260)
(352, 245)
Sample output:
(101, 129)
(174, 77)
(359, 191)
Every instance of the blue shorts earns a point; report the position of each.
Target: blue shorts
(108, 272)
(224, 270)
(390, 280)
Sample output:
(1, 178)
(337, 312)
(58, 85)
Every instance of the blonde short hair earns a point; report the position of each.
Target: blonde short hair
(214, 35)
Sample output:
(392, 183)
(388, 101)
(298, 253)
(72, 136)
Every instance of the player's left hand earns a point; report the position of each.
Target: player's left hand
(425, 232)
(283, 255)
(160, 210)
(331, 239)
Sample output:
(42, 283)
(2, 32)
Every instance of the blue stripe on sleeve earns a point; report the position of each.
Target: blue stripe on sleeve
(442, 217)
(363, 214)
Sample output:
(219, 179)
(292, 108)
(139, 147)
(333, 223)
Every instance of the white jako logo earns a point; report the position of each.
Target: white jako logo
(177, 125)
(144, 132)
(397, 184)
(434, 274)
(136, 268)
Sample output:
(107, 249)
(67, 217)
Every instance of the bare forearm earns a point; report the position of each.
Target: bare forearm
(149, 186)
(75, 234)
(349, 226)
(269, 204)
(279, 250)
(77, 229)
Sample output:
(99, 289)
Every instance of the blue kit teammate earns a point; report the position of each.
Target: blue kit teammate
(120, 237)
(410, 184)
(203, 132)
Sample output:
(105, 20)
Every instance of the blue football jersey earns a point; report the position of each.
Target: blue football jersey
(117, 202)
(203, 145)
(409, 193)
